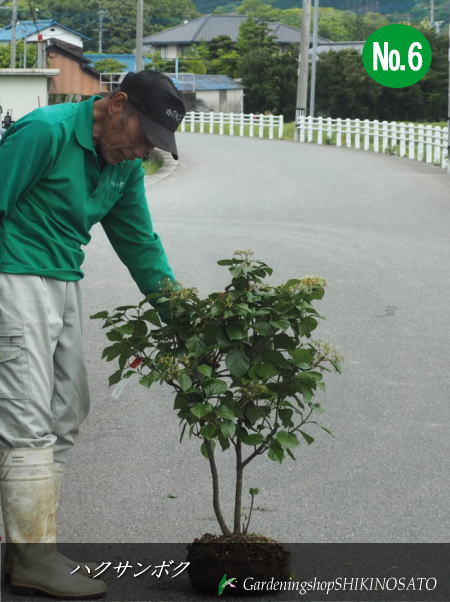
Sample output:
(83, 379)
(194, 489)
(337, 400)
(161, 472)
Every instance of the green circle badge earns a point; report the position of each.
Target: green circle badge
(396, 56)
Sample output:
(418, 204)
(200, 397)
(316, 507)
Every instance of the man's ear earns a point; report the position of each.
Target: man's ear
(117, 103)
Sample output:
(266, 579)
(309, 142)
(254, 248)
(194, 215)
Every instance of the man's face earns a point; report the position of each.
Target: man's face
(122, 137)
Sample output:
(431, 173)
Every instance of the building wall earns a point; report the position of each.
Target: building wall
(222, 101)
(22, 93)
(60, 34)
(71, 79)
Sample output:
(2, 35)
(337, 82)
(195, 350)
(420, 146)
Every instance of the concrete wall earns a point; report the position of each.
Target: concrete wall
(23, 90)
(222, 101)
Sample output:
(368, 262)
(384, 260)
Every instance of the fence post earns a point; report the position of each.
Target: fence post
(366, 134)
(183, 123)
(444, 152)
(411, 141)
(251, 125)
(385, 140)
(192, 121)
(211, 122)
(429, 144)
(394, 137)
(320, 130)
(402, 140)
(302, 126)
(330, 129)
(310, 128)
(420, 145)
(348, 133)
(202, 123)
(261, 125)
(271, 127)
(376, 136)
(338, 131)
(280, 126)
(357, 133)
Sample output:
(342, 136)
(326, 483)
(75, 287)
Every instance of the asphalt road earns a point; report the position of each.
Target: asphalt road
(377, 228)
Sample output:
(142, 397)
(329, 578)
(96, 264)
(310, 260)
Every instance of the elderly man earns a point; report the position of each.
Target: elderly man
(62, 169)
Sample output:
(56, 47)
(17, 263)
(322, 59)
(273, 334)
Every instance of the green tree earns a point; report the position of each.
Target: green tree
(227, 63)
(5, 55)
(108, 65)
(254, 34)
(257, 67)
(220, 45)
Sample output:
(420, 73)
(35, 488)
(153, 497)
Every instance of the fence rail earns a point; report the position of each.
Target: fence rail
(234, 124)
(414, 141)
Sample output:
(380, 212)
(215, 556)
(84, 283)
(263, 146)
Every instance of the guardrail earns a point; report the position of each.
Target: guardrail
(414, 141)
(234, 124)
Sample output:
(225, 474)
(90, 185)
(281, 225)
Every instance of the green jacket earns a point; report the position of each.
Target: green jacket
(52, 191)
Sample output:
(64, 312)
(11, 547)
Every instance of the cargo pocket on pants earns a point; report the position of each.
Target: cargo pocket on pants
(13, 383)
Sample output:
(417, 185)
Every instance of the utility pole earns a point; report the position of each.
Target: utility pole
(312, 96)
(139, 35)
(302, 82)
(101, 14)
(432, 13)
(12, 62)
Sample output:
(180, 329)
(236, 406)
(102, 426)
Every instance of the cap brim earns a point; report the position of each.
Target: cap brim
(158, 135)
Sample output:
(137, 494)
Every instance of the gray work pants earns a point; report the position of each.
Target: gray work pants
(44, 394)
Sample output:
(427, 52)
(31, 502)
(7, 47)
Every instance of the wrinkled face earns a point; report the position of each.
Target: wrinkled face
(122, 138)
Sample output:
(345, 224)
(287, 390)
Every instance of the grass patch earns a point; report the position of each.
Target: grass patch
(153, 163)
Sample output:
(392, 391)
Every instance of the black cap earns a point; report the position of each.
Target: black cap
(160, 106)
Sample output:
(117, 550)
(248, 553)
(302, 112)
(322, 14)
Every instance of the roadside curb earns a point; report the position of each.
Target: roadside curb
(166, 170)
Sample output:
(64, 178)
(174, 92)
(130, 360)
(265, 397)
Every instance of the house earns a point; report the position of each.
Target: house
(76, 74)
(218, 93)
(129, 60)
(32, 31)
(174, 42)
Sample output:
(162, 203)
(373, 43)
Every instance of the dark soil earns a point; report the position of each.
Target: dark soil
(240, 556)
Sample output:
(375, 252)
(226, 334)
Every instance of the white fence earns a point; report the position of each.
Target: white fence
(234, 124)
(421, 142)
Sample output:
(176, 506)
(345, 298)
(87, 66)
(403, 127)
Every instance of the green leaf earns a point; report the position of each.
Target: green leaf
(204, 449)
(139, 328)
(263, 328)
(307, 438)
(286, 416)
(208, 431)
(216, 387)
(196, 345)
(224, 442)
(151, 315)
(149, 379)
(266, 370)
(283, 341)
(200, 410)
(254, 439)
(292, 282)
(253, 413)
(126, 328)
(114, 335)
(101, 315)
(225, 411)
(253, 491)
(115, 378)
(237, 362)
(324, 428)
(280, 324)
(286, 439)
(307, 325)
(276, 453)
(205, 369)
(184, 381)
(226, 262)
(235, 332)
(302, 356)
(228, 428)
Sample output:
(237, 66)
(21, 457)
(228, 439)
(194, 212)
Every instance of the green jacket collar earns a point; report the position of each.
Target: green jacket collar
(85, 123)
